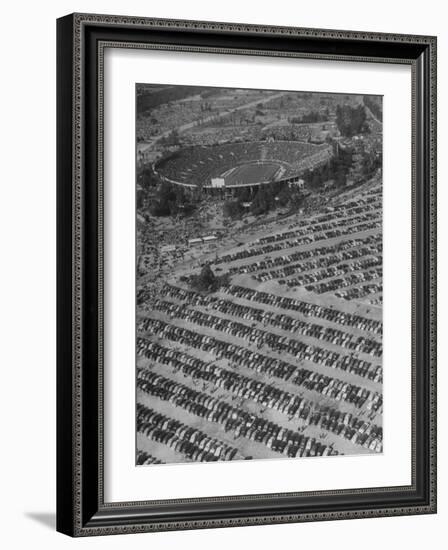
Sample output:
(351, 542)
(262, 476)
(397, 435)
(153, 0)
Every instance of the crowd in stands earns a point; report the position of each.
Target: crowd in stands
(309, 162)
(196, 165)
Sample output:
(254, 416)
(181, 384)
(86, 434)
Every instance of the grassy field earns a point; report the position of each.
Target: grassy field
(252, 173)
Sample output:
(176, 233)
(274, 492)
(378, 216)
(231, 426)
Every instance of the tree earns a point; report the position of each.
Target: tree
(340, 176)
(147, 177)
(207, 281)
(171, 200)
(351, 120)
(284, 197)
(262, 202)
(232, 209)
(370, 162)
(311, 117)
(198, 192)
(316, 180)
(244, 194)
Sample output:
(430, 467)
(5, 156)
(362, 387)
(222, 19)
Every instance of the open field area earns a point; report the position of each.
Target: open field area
(259, 332)
(251, 173)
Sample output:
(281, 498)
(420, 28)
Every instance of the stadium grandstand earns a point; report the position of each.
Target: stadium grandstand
(236, 165)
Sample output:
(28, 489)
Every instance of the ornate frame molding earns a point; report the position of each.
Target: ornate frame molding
(81, 42)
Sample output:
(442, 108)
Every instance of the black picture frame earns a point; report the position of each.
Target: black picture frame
(81, 510)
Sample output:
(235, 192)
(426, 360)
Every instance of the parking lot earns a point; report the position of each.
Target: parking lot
(286, 360)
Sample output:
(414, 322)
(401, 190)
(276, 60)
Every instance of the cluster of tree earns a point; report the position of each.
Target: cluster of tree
(335, 170)
(289, 196)
(264, 199)
(351, 120)
(206, 106)
(340, 166)
(370, 163)
(207, 281)
(170, 200)
(313, 116)
(147, 178)
(233, 209)
(374, 104)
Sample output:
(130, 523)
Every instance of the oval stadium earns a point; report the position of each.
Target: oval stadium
(247, 164)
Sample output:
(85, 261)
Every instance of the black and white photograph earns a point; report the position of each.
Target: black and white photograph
(258, 274)
(229, 249)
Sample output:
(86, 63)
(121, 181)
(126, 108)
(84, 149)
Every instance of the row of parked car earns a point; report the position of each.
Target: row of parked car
(344, 219)
(343, 282)
(268, 366)
(301, 256)
(246, 387)
(143, 459)
(360, 292)
(344, 210)
(253, 250)
(279, 344)
(315, 277)
(239, 422)
(307, 309)
(372, 246)
(344, 339)
(192, 443)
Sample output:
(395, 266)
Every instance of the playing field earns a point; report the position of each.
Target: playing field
(251, 173)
